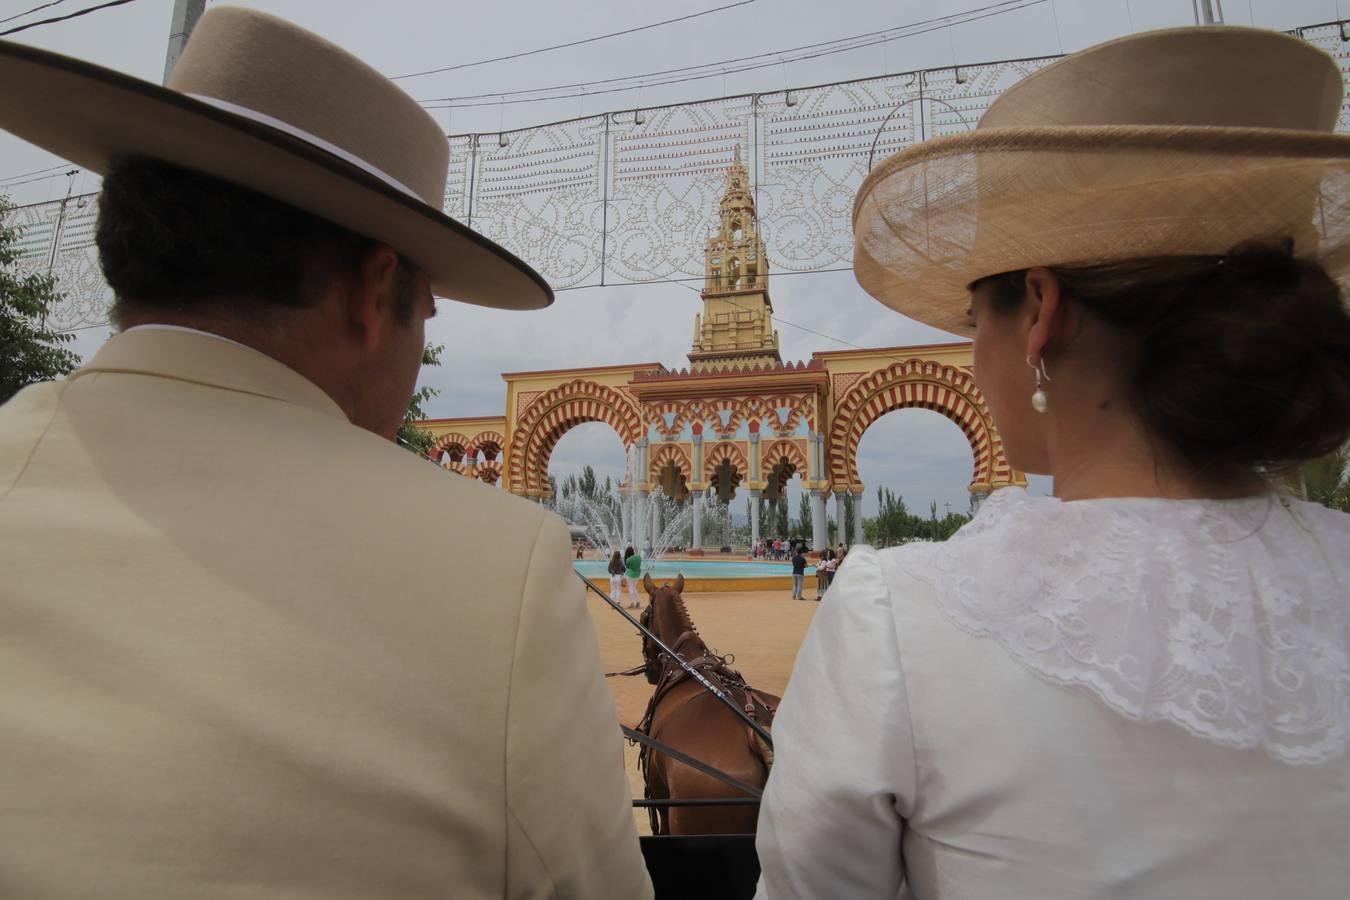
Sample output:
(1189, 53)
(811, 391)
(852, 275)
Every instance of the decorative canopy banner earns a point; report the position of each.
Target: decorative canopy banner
(621, 198)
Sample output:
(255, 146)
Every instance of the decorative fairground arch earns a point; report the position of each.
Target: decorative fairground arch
(868, 384)
(738, 416)
(539, 425)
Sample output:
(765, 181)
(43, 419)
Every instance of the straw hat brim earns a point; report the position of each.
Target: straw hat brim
(931, 219)
(91, 116)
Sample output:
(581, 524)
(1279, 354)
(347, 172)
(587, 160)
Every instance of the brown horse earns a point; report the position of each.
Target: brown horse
(683, 714)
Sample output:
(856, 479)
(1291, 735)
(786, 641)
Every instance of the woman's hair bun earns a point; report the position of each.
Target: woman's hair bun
(1244, 360)
(1269, 262)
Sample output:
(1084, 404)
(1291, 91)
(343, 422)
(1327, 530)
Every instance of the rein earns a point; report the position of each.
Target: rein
(641, 737)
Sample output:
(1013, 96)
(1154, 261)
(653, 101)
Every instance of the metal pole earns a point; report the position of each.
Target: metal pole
(604, 198)
(185, 16)
(694, 673)
(1208, 15)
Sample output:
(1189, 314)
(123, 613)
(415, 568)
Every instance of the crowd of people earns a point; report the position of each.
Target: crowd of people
(234, 666)
(775, 548)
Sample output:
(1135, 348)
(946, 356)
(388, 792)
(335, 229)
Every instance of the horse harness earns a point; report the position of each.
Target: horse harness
(718, 671)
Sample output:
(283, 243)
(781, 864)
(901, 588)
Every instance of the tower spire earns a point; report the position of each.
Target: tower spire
(736, 326)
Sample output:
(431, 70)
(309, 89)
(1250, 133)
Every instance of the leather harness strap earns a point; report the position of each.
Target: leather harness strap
(649, 742)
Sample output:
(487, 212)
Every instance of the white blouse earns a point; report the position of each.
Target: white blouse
(1108, 698)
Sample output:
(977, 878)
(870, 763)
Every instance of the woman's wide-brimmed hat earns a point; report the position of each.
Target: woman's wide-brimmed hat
(1177, 142)
(261, 103)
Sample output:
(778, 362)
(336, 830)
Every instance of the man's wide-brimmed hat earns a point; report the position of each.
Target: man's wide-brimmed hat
(264, 104)
(1178, 142)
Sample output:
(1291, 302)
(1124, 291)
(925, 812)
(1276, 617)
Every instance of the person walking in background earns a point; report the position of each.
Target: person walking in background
(1148, 241)
(633, 573)
(798, 574)
(831, 566)
(616, 569)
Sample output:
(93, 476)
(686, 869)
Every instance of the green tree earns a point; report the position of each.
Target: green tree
(895, 524)
(588, 483)
(1325, 480)
(802, 529)
(29, 351)
(419, 440)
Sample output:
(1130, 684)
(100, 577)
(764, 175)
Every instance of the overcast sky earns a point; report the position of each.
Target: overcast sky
(917, 453)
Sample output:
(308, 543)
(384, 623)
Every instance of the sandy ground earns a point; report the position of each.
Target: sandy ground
(762, 629)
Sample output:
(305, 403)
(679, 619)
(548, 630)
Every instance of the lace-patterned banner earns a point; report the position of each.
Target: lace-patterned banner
(621, 198)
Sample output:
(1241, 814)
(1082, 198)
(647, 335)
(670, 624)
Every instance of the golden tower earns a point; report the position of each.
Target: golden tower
(736, 326)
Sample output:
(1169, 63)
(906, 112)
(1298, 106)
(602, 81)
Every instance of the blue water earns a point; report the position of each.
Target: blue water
(702, 568)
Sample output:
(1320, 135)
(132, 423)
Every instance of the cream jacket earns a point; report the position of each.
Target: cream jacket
(242, 655)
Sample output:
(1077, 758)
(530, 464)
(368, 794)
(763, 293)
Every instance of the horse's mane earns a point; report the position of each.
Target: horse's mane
(683, 621)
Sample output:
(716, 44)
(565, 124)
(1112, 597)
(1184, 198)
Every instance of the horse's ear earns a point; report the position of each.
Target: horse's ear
(648, 585)
(679, 583)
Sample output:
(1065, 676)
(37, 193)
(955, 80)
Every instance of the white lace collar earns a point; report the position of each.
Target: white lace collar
(1230, 618)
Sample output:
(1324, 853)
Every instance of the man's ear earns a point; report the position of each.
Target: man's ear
(372, 297)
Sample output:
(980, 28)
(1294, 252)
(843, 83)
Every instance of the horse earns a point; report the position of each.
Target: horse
(687, 717)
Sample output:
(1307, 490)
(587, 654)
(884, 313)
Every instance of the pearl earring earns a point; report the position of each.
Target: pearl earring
(1039, 401)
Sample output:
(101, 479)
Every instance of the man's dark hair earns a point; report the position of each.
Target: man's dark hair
(173, 239)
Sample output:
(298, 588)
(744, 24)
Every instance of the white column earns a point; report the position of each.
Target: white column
(754, 518)
(840, 522)
(858, 518)
(819, 533)
(696, 508)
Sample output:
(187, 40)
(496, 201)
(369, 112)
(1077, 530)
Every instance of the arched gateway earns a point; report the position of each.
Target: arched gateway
(739, 415)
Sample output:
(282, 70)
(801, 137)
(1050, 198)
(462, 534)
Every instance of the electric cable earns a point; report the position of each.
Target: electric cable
(58, 170)
(590, 40)
(35, 180)
(854, 42)
(31, 11)
(74, 15)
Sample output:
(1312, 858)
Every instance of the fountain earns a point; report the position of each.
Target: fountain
(599, 519)
(606, 517)
(603, 515)
(670, 519)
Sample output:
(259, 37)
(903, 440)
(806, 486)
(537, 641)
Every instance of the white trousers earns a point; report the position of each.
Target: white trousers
(615, 587)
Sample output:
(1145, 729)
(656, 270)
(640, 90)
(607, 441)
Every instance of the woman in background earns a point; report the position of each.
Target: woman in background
(632, 572)
(615, 577)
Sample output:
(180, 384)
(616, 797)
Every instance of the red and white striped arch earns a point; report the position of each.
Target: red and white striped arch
(669, 454)
(557, 412)
(923, 384)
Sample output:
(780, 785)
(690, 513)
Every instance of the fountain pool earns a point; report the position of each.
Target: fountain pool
(706, 574)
